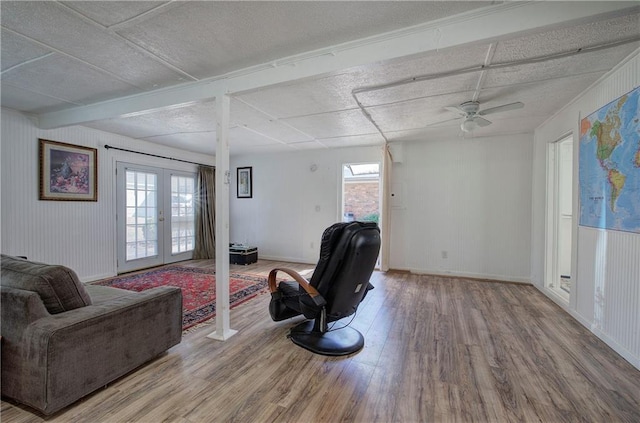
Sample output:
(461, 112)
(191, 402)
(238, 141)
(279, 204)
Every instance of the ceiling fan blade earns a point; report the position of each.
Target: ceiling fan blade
(455, 110)
(442, 121)
(503, 108)
(481, 121)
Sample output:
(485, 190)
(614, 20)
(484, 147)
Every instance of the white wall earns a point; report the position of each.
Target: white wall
(605, 296)
(80, 235)
(291, 204)
(482, 183)
(469, 198)
(479, 181)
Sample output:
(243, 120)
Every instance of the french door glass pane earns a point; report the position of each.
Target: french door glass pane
(141, 215)
(182, 214)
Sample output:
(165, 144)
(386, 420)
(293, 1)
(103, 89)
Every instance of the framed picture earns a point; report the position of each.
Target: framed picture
(68, 172)
(245, 182)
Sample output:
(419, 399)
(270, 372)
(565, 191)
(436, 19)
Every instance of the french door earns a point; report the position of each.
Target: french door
(155, 216)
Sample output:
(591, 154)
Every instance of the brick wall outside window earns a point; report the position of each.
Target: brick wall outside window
(361, 198)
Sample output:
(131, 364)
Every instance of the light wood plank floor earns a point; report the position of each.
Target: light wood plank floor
(437, 349)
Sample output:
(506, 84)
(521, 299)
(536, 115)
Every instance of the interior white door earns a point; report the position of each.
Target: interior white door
(155, 216)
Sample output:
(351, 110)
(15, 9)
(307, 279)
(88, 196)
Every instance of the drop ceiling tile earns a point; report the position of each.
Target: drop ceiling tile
(201, 142)
(109, 13)
(503, 125)
(241, 136)
(567, 39)
(451, 130)
(259, 149)
(192, 119)
(426, 134)
(418, 113)
(66, 79)
(56, 26)
(420, 89)
(126, 126)
(335, 124)
(198, 117)
(205, 35)
(333, 92)
(281, 132)
(559, 68)
(541, 98)
(353, 141)
(252, 119)
(16, 50)
(28, 101)
(431, 63)
(308, 145)
(307, 97)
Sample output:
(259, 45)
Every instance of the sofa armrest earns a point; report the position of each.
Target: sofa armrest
(19, 309)
(68, 355)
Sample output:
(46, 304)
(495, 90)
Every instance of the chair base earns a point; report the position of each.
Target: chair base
(343, 341)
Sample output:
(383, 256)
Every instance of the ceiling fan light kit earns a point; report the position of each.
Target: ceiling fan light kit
(468, 125)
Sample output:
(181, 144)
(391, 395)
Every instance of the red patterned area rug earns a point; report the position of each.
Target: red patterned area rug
(198, 289)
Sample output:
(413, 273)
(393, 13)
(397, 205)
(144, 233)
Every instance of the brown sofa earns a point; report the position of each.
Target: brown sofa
(62, 340)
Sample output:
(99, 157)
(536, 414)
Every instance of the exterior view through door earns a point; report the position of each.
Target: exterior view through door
(361, 192)
(155, 216)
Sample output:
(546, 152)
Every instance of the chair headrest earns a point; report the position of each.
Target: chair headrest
(330, 238)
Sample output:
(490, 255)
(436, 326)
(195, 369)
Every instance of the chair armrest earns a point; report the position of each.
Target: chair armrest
(313, 293)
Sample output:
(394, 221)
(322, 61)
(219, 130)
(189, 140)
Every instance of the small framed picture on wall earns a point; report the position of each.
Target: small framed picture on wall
(245, 182)
(68, 172)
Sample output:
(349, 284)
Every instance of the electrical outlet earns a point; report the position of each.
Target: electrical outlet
(311, 245)
(445, 254)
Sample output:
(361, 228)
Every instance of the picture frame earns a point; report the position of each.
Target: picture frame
(67, 172)
(244, 182)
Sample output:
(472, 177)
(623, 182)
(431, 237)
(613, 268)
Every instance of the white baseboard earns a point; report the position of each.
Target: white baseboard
(289, 259)
(587, 323)
(626, 354)
(500, 278)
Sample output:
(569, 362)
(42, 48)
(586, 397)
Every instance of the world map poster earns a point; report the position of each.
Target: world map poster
(609, 166)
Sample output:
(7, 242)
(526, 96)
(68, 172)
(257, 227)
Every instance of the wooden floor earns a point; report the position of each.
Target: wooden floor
(437, 349)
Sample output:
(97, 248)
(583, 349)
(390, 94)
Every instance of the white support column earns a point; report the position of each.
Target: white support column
(223, 330)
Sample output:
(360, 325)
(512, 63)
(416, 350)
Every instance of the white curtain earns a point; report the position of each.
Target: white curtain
(385, 224)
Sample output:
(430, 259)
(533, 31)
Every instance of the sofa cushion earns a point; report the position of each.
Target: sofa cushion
(57, 286)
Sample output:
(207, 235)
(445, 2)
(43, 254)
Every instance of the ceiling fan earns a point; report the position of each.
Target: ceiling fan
(472, 115)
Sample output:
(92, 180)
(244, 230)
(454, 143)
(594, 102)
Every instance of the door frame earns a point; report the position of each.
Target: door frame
(552, 221)
(381, 216)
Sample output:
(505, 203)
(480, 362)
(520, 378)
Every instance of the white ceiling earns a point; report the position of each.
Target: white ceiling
(71, 56)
